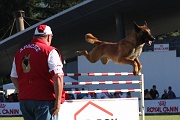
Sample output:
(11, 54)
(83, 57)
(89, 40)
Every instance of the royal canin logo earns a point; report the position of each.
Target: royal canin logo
(162, 103)
(2, 105)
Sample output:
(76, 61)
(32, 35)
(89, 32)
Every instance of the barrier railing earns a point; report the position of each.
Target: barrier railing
(140, 82)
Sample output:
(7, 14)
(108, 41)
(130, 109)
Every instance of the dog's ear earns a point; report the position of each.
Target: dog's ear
(145, 23)
(136, 27)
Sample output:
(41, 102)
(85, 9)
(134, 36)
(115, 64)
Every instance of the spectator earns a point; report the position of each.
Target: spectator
(67, 96)
(10, 98)
(171, 94)
(154, 93)
(164, 95)
(80, 96)
(128, 95)
(116, 95)
(2, 96)
(74, 96)
(147, 96)
(93, 95)
(107, 95)
(111, 95)
(100, 95)
(87, 96)
(122, 95)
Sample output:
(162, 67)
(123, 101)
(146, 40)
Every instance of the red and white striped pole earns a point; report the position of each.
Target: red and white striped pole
(103, 82)
(99, 74)
(102, 91)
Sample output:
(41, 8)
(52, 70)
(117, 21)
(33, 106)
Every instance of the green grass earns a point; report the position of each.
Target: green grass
(11, 118)
(162, 117)
(147, 117)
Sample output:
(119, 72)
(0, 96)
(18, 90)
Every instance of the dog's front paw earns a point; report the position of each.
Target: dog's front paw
(135, 73)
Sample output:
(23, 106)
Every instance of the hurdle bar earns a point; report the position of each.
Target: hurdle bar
(99, 74)
(102, 91)
(103, 82)
(141, 90)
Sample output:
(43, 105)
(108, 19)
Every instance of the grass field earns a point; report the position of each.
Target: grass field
(147, 117)
(162, 117)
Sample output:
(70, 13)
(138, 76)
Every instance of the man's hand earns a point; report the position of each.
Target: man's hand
(58, 88)
(56, 107)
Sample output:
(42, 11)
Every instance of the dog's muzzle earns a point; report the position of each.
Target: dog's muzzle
(150, 41)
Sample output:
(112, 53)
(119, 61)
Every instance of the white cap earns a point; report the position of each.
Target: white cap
(43, 30)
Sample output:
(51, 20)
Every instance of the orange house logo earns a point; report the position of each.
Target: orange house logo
(93, 104)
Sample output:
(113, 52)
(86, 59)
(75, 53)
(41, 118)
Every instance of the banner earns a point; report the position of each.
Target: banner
(100, 109)
(161, 47)
(162, 106)
(103, 108)
(89, 109)
(8, 109)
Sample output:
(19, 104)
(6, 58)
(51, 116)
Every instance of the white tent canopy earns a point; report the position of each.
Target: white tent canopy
(8, 86)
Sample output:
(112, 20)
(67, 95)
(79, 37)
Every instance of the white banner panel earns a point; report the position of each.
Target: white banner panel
(100, 109)
(161, 47)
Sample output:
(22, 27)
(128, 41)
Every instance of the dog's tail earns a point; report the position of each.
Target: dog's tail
(91, 39)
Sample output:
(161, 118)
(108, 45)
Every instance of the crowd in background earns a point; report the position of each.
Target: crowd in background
(148, 95)
(154, 94)
(14, 96)
(103, 95)
(9, 98)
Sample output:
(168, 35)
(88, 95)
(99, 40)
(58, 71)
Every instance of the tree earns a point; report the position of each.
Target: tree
(35, 10)
(4, 80)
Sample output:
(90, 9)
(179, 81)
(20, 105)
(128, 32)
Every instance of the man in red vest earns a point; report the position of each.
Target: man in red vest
(38, 76)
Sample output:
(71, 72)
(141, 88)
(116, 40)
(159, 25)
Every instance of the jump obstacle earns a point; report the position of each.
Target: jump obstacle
(140, 82)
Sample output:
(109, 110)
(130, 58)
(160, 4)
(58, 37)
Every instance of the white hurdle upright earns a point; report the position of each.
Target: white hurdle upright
(140, 82)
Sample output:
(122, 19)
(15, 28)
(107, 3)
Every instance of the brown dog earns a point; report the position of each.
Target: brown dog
(126, 51)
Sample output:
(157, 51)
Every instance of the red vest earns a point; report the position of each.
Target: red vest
(34, 80)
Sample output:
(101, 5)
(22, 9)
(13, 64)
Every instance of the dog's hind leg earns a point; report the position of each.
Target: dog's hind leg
(93, 56)
(139, 64)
